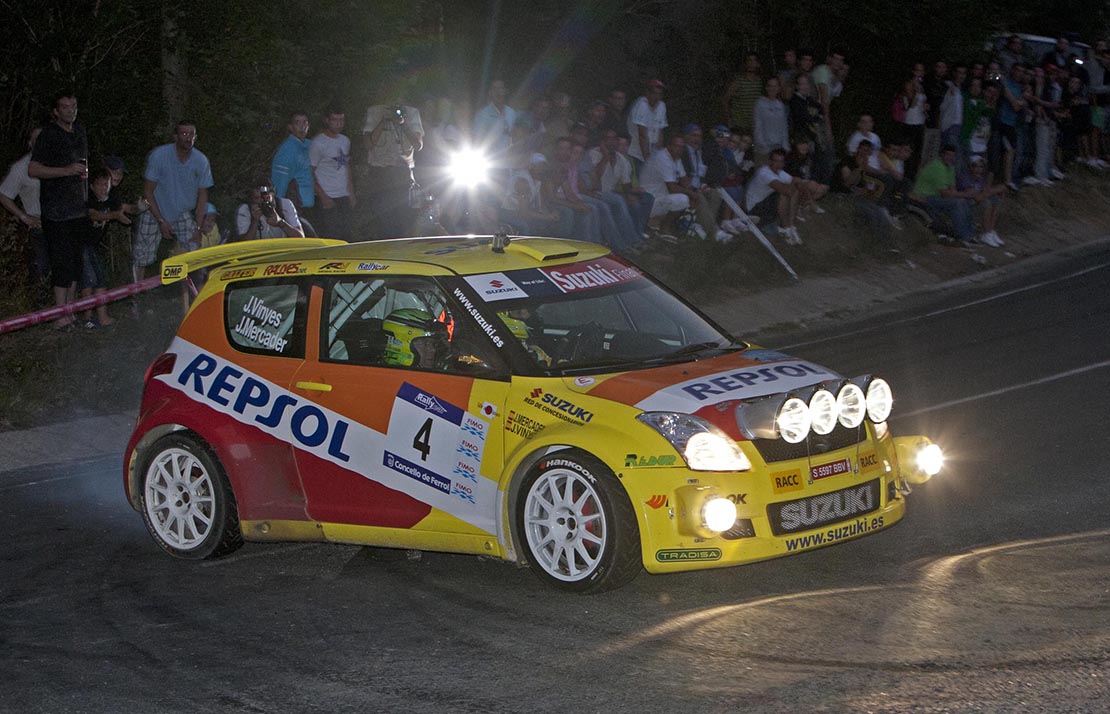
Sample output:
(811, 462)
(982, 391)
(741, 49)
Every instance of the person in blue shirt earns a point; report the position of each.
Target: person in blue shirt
(291, 169)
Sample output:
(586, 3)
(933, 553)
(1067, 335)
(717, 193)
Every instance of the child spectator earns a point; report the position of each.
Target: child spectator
(103, 209)
(864, 130)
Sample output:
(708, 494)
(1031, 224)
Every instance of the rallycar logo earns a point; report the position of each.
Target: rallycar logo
(430, 403)
(371, 267)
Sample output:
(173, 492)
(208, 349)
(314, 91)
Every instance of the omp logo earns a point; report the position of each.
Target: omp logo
(430, 403)
(496, 284)
(172, 271)
(657, 501)
(283, 269)
(536, 393)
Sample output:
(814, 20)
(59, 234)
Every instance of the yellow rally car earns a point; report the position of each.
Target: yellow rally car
(540, 400)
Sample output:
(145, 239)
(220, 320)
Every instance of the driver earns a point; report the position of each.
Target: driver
(516, 321)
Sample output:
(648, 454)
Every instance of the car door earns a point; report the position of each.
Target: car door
(422, 448)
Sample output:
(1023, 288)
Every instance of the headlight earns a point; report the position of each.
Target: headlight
(930, 459)
(879, 400)
(468, 168)
(851, 405)
(792, 421)
(718, 514)
(703, 446)
(822, 411)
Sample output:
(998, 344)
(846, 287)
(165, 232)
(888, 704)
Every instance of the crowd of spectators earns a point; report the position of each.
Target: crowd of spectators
(958, 138)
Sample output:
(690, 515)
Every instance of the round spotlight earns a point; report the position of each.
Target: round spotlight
(822, 411)
(468, 168)
(792, 420)
(851, 405)
(718, 514)
(879, 400)
(930, 459)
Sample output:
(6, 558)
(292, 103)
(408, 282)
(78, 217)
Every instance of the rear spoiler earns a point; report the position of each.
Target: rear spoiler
(178, 267)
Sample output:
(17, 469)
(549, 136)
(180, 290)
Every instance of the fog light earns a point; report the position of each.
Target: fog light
(930, 459)
(718, 514)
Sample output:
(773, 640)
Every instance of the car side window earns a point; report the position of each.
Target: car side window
(266, 318)
(403, 322)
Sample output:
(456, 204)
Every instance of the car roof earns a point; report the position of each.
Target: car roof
(438, 255)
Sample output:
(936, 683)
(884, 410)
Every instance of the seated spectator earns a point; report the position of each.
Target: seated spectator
(660, 178)
(975, 184)
(705, 169)
(593, 215)
(865, 130)
(936, 188)
(733, 181)
(772, 196)
(527, 204)
(799, 164)
(866, 190)
(612, 173)
(260, 216)
(771, 128)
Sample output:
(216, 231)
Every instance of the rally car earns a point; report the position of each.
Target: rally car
(539, 400)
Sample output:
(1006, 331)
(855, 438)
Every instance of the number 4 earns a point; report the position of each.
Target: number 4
(422, 442)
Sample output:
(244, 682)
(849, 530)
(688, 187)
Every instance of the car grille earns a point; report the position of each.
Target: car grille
(816, 511)
(773, 450)
(743, 528)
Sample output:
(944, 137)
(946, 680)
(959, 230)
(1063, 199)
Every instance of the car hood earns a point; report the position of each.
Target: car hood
(691, 386)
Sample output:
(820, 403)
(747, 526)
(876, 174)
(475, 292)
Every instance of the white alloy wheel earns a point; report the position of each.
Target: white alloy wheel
(179, 499)
(565, 524)
(186, 500)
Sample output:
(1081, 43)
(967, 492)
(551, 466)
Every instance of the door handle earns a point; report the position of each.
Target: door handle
(314, 386)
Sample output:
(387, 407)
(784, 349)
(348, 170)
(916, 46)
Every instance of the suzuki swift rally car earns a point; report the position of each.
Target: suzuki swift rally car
(538, 400)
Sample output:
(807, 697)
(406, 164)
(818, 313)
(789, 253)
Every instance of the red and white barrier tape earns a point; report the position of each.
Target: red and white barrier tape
(53, 313)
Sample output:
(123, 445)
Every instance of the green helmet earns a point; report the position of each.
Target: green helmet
(516, 326)
(401, 327)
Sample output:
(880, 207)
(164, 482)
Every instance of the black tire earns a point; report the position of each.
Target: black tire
(186, 499)
(587, 543)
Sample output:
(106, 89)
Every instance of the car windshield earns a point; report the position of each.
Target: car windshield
(597, 315)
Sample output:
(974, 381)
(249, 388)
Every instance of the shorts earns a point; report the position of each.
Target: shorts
(767, 209)
(92, 270)
(670, 203)
(148, 236)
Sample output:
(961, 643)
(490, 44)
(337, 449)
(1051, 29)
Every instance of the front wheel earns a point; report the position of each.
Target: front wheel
(577, 524)
(187, 502)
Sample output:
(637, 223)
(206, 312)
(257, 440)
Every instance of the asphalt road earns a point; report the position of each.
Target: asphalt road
(992, 595)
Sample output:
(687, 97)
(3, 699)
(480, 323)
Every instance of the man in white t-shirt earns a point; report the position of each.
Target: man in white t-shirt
(772, 196)
(18, 184)
(647, 118)
(266, 215)
(865, 130)
(661, 178)
(330, 156)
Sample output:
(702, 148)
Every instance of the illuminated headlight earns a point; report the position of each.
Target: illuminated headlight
(930, 459)
(822, 411)
(468, 168)
(792, 421)
(879, 400)
(703, 446)
(851, 405)
(718, 514)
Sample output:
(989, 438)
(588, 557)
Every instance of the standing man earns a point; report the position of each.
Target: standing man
(393, 134)
(493, 123)
(742, 93)
(291, 171)
(19, 184)
(330, 155)
(826, 82)
(60, 160)
(646, 121)
(175, 184)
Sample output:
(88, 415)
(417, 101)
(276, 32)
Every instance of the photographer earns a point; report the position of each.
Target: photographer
(260, 216)
(393, 134)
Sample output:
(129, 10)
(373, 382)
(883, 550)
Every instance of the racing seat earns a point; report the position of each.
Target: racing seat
(364, 341)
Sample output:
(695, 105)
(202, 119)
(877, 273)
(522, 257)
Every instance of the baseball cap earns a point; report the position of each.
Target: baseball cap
(656, 84)
(113, 163)
(721, 131)
(690, 128)
(210, 209)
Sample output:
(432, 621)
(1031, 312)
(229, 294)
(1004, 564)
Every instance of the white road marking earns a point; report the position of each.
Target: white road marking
(1013, 387)
(953, 308)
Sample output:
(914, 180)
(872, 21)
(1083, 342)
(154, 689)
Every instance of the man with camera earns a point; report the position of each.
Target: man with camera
(266, 215)
(393, 134)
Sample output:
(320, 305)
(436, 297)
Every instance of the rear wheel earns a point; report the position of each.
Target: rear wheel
(577, 524)
(187, 502)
